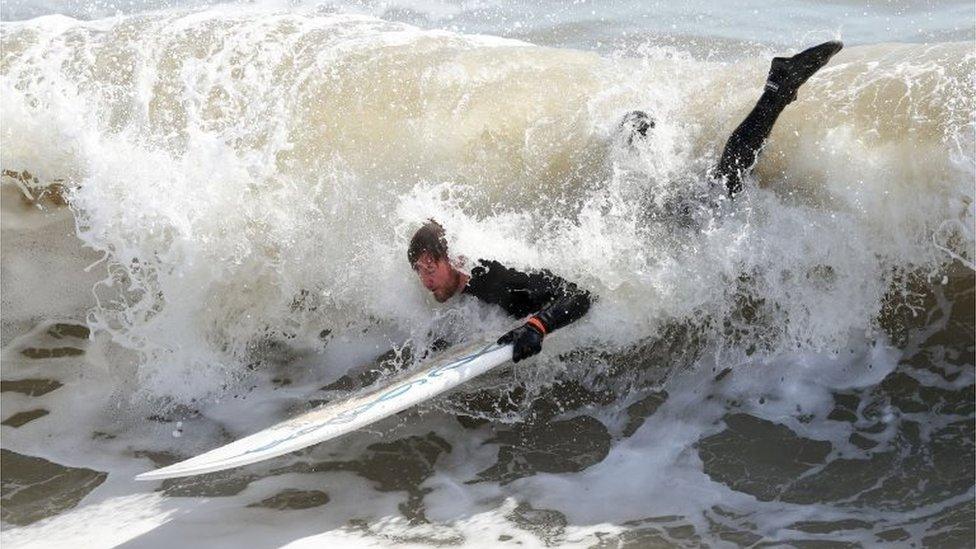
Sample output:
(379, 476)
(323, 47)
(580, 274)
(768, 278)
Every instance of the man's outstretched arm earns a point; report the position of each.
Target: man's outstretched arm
(567, 304)
(564, 303)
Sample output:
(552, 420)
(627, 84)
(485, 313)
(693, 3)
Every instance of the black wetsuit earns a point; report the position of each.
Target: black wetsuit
(746, 141)
(786, 75)
(550, 298)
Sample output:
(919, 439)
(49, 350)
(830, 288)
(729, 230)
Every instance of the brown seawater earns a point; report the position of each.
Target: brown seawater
(204, 221)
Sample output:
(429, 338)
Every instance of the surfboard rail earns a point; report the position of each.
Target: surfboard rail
(435, 376)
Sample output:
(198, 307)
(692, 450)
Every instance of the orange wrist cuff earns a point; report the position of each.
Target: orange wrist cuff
(537, 324)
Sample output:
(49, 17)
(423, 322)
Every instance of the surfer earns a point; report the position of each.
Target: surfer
(554, 302)
(786, 75)
(551, 301)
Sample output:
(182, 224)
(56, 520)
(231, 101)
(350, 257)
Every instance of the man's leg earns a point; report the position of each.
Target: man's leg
(786, 75)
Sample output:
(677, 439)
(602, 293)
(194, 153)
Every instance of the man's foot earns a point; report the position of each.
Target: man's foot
(787, 74)
(635, 125)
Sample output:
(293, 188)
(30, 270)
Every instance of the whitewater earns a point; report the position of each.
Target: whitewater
(205, 215)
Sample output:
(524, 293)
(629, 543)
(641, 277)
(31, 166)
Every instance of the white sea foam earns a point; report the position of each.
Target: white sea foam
(252, 177)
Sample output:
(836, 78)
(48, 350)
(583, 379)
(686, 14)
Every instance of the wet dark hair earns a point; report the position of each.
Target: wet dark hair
(428, 239)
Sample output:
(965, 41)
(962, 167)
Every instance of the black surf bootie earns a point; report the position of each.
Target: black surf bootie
(787, 74)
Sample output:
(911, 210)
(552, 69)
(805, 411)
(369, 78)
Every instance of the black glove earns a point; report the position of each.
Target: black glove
(526, 341)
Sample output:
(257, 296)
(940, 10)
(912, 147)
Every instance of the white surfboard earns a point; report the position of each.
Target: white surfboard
(445, 371)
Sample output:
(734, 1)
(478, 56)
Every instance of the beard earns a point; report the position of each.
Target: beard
(442, 295)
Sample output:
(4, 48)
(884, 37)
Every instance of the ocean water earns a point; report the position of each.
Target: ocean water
(205, 211)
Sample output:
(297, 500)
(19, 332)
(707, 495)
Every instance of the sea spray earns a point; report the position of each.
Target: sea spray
(247, 181)
(245, 161)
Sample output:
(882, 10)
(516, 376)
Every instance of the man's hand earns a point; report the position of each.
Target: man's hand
(526, 341)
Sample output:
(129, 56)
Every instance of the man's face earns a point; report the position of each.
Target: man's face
(437, 275)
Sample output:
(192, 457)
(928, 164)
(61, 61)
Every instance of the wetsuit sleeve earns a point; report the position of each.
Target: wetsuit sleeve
(565, 301)
(553, 300)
